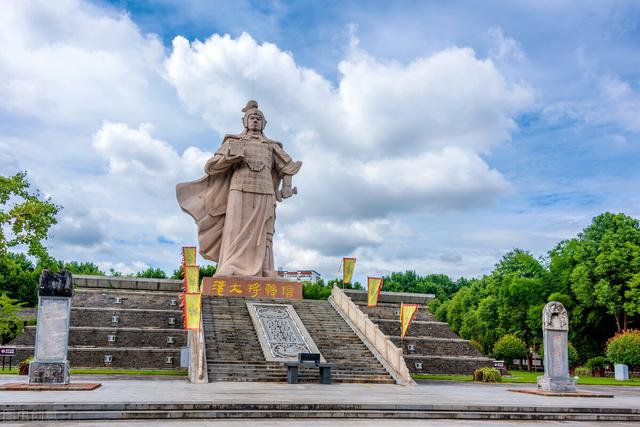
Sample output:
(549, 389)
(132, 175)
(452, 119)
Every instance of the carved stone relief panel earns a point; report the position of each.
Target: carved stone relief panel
(281, 333)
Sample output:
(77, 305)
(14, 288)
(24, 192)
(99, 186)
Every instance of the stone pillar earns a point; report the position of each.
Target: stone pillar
(50, 365)
(555, 330)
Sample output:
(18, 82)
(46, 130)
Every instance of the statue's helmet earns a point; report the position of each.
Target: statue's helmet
(248, 110)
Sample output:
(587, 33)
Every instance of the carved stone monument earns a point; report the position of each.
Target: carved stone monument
(281, 333)
(555, 330)
(50, 365)
(234, 203)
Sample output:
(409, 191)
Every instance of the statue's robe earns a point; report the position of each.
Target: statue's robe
(236, 215)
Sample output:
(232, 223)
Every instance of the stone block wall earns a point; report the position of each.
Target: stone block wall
(120, 323)
(430, 347)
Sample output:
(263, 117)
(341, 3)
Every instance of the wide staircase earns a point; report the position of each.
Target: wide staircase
(234, 353)
(430, 346)
(120, 322)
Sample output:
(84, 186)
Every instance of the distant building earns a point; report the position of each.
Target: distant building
(300, 275)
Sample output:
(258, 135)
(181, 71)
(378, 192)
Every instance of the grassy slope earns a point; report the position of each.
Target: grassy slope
(115, 371)
(530, 378)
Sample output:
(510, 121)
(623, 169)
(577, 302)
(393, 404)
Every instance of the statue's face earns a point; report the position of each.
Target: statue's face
(254, 122)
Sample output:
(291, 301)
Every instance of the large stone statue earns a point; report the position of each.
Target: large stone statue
(234, 204)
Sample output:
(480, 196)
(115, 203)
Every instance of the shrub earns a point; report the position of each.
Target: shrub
(475, 344)
(487, 375)
(597, 362)
(624, 347)
(23, 367)
(583, 372)
(509, 347)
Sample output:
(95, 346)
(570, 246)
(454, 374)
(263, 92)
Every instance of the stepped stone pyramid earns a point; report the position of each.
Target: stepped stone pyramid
(429, 347)
(120, 322)
(135, 323)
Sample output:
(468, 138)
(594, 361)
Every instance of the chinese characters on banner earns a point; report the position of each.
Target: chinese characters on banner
(191, 306)
(251, 288)
(407, 314)
(191, 275)
(374, 286)
(348, 265)
(188, 255)
(191, 297)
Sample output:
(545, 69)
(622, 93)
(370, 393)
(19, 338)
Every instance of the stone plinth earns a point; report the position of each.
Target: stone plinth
(251, 287)
(555, 330)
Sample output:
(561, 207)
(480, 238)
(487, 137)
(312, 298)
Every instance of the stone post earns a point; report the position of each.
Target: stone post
(50, 365)
(555, 330)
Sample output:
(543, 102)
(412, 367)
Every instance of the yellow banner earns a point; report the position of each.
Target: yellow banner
(407, 314)
(191, 307)
(191, 277)
(374, 286)
(348, 265)
(188, 255)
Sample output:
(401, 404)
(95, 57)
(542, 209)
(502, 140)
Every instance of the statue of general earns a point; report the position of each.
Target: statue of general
(234, 204)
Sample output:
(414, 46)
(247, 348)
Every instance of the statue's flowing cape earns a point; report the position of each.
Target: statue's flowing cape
(206, 201)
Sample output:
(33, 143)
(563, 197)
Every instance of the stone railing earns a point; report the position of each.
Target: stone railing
(374, 338)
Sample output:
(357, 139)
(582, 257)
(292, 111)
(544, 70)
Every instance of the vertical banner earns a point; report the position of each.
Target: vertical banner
(407, 314)
(374, 286)
(188, 255)
(191, 311)
(191, 276)
(348, 265)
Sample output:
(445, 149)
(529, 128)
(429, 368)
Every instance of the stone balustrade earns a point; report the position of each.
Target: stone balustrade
(384, 346)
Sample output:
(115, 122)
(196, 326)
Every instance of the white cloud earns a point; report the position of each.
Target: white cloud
(108, 117)
(504, 47)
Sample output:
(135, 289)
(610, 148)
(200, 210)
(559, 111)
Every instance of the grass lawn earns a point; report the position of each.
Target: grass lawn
(114, 371)
(531, 378)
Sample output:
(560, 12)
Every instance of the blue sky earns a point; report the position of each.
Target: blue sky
(435, 135)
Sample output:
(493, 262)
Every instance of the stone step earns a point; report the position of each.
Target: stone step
(388, 312)
(436, 346)
(278, 410)
(417, 329)
(118, 298)
(105, 317)
(234, 352)
(449, 365)
(121, 357)
(86, 336)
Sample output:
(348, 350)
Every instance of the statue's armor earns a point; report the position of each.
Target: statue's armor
(253, 174)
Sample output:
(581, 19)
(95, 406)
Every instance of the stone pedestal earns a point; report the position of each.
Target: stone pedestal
(50, 365)
(251, 287)
(555, 329)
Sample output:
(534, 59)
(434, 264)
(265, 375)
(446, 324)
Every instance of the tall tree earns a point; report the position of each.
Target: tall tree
(601, 266)
(25, 216)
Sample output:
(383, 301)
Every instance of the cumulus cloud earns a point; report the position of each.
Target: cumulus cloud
(387, 139)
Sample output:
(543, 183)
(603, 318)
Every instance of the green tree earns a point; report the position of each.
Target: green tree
(76, 267)
(603, 264)
(25, 217)
(509, 347)
(316, 290)
(205, 271)
(19, 278)
(152, 273)
(10, 324)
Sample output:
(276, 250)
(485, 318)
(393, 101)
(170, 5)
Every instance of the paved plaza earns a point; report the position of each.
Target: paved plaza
(434, 395)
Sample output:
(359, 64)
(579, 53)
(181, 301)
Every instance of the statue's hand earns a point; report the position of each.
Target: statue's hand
(286, 192)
